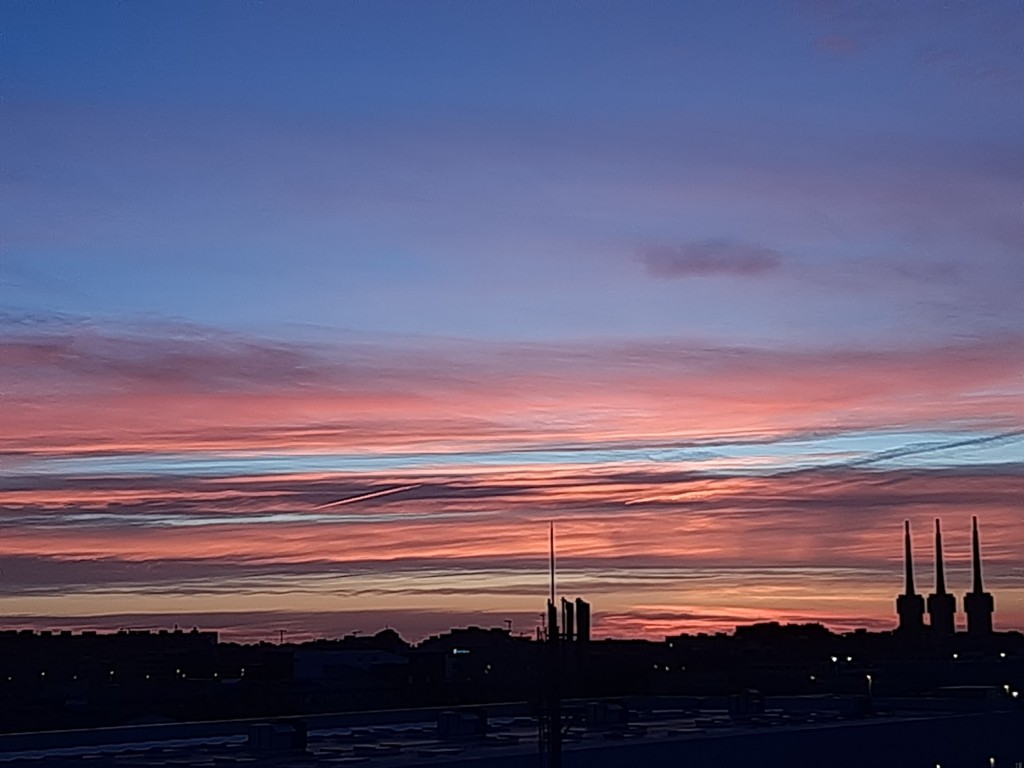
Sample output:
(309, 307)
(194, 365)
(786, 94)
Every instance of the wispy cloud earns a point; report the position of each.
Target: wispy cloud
(709, 258)
(836, 44)
(966, 42)
(157, 394)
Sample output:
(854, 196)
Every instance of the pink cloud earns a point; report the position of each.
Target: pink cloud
(707, 550)
(227, 533)
(98, 396)
(836, 44)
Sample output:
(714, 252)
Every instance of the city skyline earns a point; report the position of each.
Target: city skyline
(312, 318)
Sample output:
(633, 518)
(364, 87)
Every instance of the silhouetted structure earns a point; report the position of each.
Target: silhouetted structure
(941, 604)
(568, 620)
(550, 723)
(65, 681)
(909, 605)
(582, 621)
(978, 604)
(549, 737)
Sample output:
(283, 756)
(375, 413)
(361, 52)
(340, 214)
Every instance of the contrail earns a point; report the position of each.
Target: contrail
(365, 496)
(916, 449)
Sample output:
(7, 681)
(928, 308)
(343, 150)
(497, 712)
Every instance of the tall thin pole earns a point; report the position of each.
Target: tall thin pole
(549, 721)
(551, 549)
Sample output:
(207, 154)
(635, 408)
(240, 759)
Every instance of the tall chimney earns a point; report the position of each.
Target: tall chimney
(909, 605)
(978, 604)
(908, 560)
(976, 557)
(941, 604)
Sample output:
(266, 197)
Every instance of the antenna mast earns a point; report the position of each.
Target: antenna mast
(551, 549)
(550, 720)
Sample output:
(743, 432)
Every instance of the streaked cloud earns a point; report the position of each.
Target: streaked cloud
(126, 398)
(709, 258)
(708, 548)
(836, 44)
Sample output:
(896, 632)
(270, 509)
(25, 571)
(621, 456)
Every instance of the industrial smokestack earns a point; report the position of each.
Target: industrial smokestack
(941, 605)
(978, 604)
(909, 605)
(976, 556)
(908, 559)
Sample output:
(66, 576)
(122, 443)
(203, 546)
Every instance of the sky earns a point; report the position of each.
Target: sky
(314, 315)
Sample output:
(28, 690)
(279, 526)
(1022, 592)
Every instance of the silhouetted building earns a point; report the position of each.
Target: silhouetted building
(909, 605)
(568, 620)
(941, 604)
(978, 604)
(582, 620)
(551, 625)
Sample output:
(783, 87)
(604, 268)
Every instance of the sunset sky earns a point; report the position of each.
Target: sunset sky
(313, 315)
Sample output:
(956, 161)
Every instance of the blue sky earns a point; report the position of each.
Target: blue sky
(500, 170)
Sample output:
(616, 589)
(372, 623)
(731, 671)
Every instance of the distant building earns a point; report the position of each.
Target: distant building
(582, 621)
